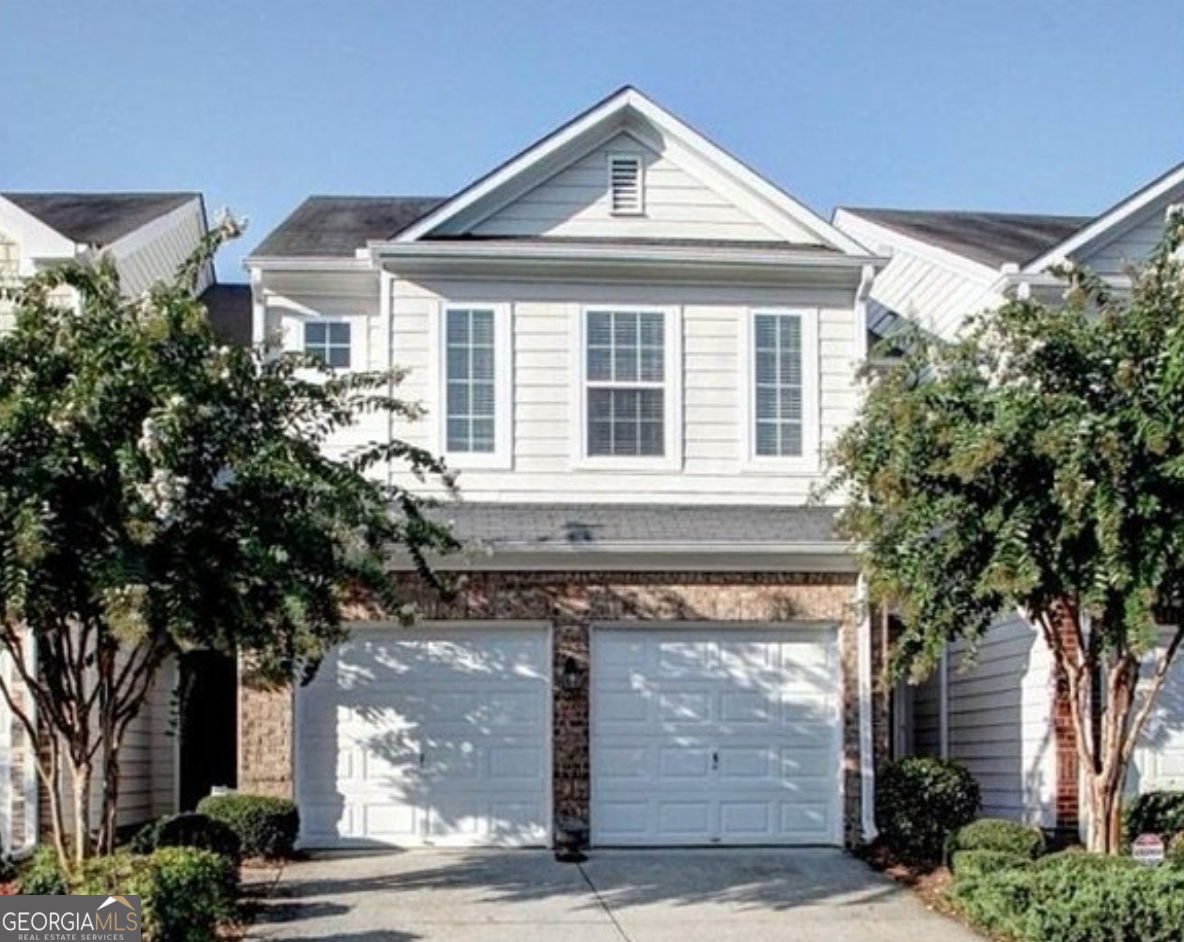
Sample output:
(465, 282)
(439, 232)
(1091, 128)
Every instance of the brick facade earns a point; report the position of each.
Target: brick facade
(573, 603)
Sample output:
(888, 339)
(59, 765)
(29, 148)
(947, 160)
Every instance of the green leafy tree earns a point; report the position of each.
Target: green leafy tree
(161, 491)
(1038, 466)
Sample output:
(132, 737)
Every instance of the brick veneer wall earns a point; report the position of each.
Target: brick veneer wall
(573, 603)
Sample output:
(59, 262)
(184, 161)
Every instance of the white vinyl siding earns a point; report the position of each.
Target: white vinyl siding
(625, 371)
(328, 341)
(1131, 246)
(471, 393)
(777, 375)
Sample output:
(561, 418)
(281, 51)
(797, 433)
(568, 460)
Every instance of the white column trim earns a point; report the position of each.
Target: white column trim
(867, 766)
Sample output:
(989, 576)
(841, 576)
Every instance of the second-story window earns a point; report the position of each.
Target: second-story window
(625, 371)
(471, 392)
(778, 376)
(329, 341)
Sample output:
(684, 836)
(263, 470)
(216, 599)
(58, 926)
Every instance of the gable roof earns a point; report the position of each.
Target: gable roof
(1166, 187)
(991, 239)
(340, 225)
(608, 115)
(98, 219)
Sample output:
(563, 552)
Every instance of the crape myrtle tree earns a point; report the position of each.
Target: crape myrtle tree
(161, 491)
(1037, 465)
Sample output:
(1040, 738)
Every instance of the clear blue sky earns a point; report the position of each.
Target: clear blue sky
(1047, 105)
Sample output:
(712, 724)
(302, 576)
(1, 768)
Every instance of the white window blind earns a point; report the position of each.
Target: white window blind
(626, 383)
(777, 374)
(471, 380)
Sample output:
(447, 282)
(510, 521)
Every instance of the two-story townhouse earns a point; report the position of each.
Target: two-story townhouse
(1003, 717)
(147, 235)
(633, 348)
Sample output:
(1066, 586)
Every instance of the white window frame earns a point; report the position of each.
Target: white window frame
(672, 460)
(638, 158)
(501, 458)
(809, 461)
(327, 323)
(293, 315)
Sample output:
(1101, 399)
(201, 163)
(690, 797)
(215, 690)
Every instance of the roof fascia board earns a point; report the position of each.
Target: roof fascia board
(545, 148)
(1111, 221)
(38, 240)
(266, 263)
(870, 232)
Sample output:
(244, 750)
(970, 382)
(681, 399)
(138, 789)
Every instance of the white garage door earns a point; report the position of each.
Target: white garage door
(1159, 759)
(427, 737)
(722, 736)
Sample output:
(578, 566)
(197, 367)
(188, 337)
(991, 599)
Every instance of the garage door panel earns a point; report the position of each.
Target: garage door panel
(435, 735)
(699, 738)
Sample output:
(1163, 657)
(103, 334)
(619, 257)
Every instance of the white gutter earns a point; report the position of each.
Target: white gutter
(328, 263)
(867, 765)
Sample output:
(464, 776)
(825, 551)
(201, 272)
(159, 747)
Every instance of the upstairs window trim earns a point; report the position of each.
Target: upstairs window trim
(329, 343)
(671, 384)
(501, 457)
(626, 183)
(809, 461)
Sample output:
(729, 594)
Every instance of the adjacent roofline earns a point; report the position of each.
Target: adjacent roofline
(1110, 219)
(47, 239)
(953, 260)
(620, 101)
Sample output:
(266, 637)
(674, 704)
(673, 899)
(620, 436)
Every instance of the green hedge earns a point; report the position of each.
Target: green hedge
(189, 829)
(1175, 851)
(999, 835)
(1075, 897)
(971, 864)
(41, 875)
(1159, 813)
(267, 827)
(920, 802)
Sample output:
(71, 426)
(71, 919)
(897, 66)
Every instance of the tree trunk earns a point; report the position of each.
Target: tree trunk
(1105, 816)
(81, 773)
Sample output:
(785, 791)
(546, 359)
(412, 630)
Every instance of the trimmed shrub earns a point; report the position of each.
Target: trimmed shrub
(192, 829)
(42, 874)
(920, 801)
(144, 840)
(1074, 897)
(999, 835)
(267, 827)
(111, 874)
(971, 864)
(187, 894)
(1159, 813)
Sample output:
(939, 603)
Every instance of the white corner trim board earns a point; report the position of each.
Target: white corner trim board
(867, 768)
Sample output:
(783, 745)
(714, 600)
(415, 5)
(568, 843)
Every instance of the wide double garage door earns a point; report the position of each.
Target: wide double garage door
(441, 736)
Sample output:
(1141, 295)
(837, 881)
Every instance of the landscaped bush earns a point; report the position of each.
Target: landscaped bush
(192, 829)
(1175, 851)
(267, 827)
(188, 894)
(999, 835)
(1159, 813)
(920, 801)
(41, 874)
(970, 864)
(1075, 897)
(144, 840)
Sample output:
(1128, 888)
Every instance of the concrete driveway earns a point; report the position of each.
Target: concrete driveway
(616, 896)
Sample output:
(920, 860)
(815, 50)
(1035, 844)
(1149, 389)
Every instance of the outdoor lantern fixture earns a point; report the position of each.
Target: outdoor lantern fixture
(572, 677)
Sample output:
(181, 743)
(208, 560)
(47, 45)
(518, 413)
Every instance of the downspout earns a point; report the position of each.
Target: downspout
(867, 765)
(943, 700)
(386, 313)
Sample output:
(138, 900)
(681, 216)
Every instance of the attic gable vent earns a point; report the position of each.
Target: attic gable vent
(625, 184)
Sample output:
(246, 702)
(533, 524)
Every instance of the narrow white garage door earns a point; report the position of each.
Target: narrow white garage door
(427, 737)
(723, 736)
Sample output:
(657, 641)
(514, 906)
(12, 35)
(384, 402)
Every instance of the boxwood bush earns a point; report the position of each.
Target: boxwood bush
(41, 874)
(184, 891)
(920, 801)
(1175, 851)
(970, 864)
(1075, 897)
(267, 827)
(1159, 813)
(189, 829)
(997, 834)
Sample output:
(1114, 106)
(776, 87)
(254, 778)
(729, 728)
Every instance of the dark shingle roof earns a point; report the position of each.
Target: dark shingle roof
(591, 526)
(229, 309)
(98, 218)
(340, 225)
(993, 239)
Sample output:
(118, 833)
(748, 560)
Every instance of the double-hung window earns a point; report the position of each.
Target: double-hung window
(626, 366)
(782, 394)
(328, 341)
(475, 389)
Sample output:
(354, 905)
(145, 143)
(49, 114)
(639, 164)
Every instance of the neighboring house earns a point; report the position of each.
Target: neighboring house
(148, 235)
(633, 347)
(1004, 718)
